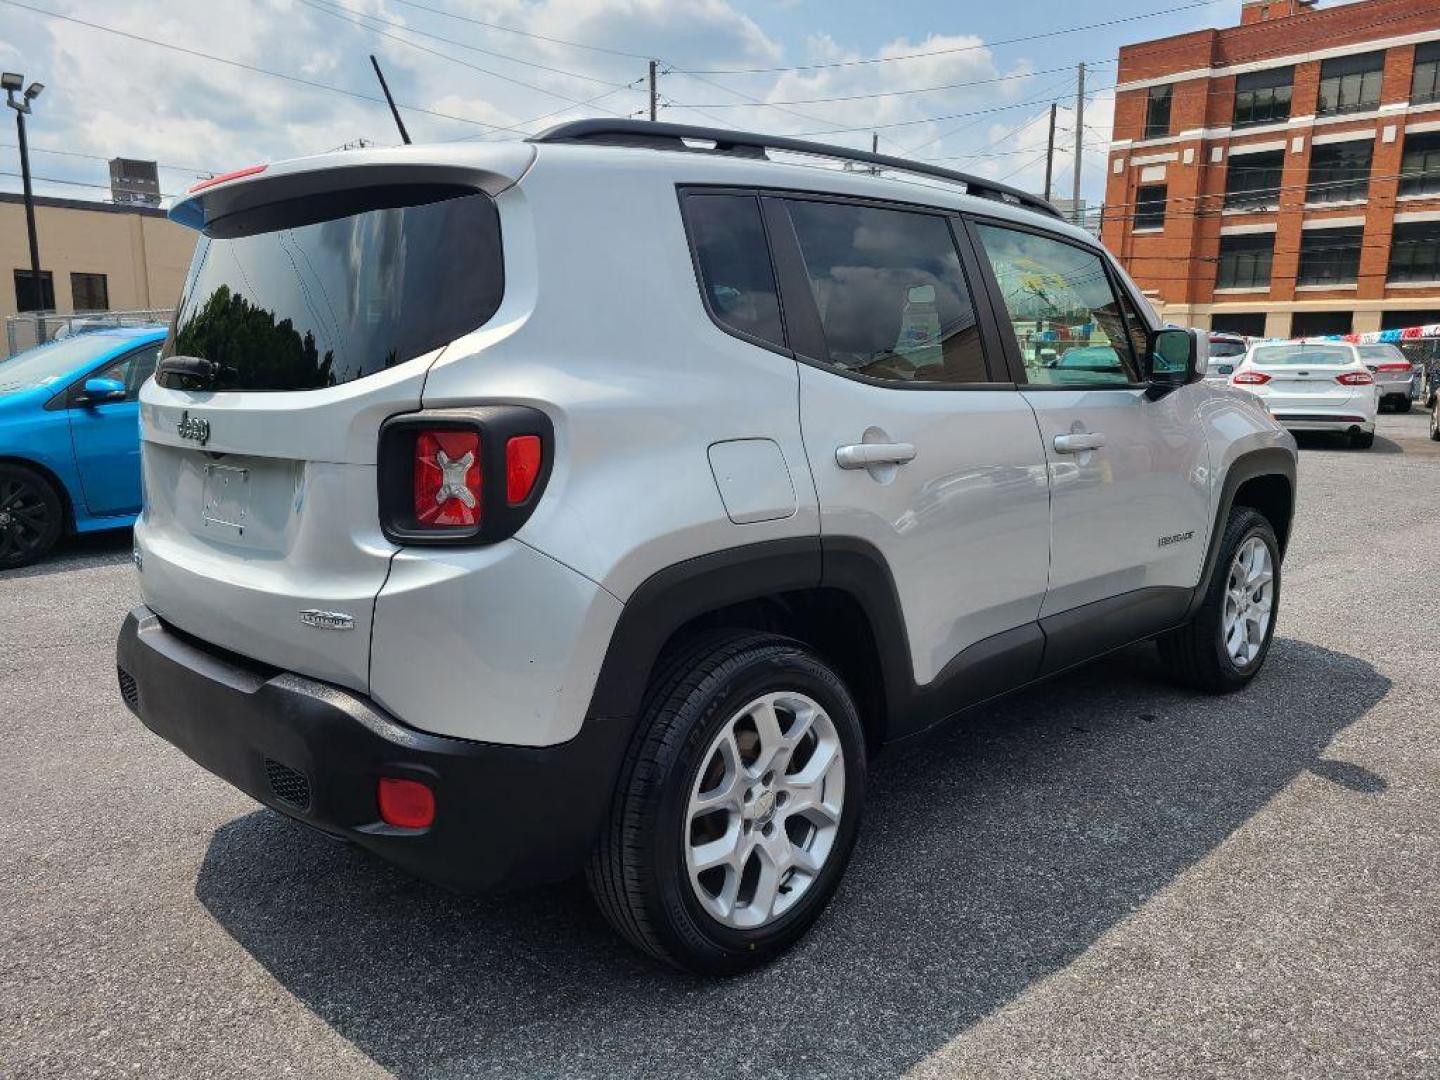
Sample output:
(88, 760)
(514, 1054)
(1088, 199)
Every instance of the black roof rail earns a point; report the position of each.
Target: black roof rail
(661, 136)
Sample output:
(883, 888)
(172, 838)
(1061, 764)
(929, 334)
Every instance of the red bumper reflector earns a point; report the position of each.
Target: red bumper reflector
(522, 466)
(407, 804)
(447, 478)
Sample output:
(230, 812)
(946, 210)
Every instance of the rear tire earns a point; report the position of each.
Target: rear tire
(1435, 422)
(1362, 440)
(1402, 404)
(32, 516)
(700, 773)
(1225, 644)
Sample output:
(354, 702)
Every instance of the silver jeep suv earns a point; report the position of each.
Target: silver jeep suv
(605, 501)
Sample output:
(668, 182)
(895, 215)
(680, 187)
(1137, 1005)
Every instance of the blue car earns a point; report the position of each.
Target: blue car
(70, 438)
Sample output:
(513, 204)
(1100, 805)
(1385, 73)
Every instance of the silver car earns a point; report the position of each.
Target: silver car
(1394, 374)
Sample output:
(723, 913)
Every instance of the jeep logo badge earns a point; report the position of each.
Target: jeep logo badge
(194, 428)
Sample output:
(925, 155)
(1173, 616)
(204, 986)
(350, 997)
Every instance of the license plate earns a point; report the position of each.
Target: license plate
(227, 498)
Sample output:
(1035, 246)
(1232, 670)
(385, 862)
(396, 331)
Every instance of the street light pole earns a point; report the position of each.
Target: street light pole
(13, 82)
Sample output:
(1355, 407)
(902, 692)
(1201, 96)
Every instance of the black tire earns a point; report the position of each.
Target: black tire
(1362, 440)
(1402, 404)
(1435, 422)
(1195, 654)
(32, 516)
(637, 872)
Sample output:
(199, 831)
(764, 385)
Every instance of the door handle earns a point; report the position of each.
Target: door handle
(864, 455)
(1079, 442)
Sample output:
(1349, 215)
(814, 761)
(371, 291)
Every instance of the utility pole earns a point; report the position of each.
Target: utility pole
(1079, 141)
(1050, 153)
(654, 103)
(11, 83)
(404, 135)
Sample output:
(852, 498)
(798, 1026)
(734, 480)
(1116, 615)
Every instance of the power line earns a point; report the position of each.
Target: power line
(523, 33)
(948, 116)
(192, 170)
(254, 69)
(949, 51)
(75, 183)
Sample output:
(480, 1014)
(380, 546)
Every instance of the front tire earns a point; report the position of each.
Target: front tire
(737, 806)
(1225, 644)
(32, 516)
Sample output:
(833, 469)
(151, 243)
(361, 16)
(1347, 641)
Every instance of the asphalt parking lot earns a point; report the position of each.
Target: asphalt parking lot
(1101, 877)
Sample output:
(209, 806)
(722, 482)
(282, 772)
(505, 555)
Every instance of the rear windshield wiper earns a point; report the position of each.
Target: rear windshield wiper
(191, 372)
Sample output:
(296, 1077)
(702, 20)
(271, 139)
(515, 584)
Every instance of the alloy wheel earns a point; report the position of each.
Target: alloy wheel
(765, 810)
(1249, 601)
(24, 519)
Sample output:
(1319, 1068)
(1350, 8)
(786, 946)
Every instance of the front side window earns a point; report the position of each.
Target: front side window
(132, 370)
(1157, 112)
(1150, 207)
(733, 259)
(1263, 97)
(1420, 164)
(1415, 252)
(1330, 256)
(287, 298)
(1063, 311)
(1350, 83)
(1339, 172)
(1245, 261)
(1425, 83)
(892, 296)
(1252, 181)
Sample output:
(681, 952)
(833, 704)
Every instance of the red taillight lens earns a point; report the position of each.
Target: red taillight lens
(1250, 378)
(447, 479)
(1355, 378)
(1395, 366)
(522, 467)
(406, 804)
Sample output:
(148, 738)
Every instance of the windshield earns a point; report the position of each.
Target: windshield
(1385, 354)
(52, 363)
(286, 302)
(1297, 355)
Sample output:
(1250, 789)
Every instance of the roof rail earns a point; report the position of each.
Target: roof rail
(661, 136)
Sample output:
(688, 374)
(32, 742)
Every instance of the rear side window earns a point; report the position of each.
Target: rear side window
(1067, 320)
(288, 302)
(891, 293)
(733, 261)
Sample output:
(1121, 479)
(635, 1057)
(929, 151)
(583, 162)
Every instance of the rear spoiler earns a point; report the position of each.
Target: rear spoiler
(490, 169)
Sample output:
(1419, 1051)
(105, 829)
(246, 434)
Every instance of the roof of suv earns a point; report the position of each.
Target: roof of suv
(691, 155)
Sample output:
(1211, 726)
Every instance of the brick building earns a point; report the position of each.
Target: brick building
(1282, 177)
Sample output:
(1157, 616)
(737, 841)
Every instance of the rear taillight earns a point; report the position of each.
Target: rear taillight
(1355, 378)
(1394, 366)
(446, 486)
(462, 476)
(1250, 378)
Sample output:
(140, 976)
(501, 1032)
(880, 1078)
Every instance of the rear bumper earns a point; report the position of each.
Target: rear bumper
(1301, 421)
(504, 814)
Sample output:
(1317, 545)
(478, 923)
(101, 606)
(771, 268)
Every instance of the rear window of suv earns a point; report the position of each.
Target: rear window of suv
(291, 299)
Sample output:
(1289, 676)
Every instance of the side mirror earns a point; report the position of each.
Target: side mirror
(99, 391)
(1177, 357)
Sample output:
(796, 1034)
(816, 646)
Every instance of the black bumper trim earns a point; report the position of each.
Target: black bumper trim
(504, 814)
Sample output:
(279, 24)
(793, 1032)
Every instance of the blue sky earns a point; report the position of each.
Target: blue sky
(539, 61)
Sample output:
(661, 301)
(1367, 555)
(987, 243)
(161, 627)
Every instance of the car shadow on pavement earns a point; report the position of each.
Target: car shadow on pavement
(1324, 440)
(992, 856)
(80, 552)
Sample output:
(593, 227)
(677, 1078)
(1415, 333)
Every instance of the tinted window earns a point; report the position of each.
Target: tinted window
(734, 263)
(1330, 256)
(1350, 83)
(300, 306)
(1339, 172)
(892, 296)
(1415, 253)
(1420, 165)
(1253, 180)
(132, 370)
(89, 292)
(1425, 82)
(1150, 207)
(1064, 313)
(1245, 261)
(1157, 112)
(1263, 97)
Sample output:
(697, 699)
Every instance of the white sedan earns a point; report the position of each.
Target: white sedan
(1313, 386)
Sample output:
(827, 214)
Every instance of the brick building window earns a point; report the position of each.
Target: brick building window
(1415, 252)
(89, 292)
(28, 298)
(1263, 97)
(1252, 181)
(1157, 112)
(1425, 84)
(1150, 207)
(1420, 164)
(1350, 83)
(1330, 256)
(1339, 172)
(1245, 261)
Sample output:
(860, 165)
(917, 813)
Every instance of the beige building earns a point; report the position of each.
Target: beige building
(93, 256)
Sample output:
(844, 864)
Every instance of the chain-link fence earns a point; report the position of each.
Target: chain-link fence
(37, 327)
